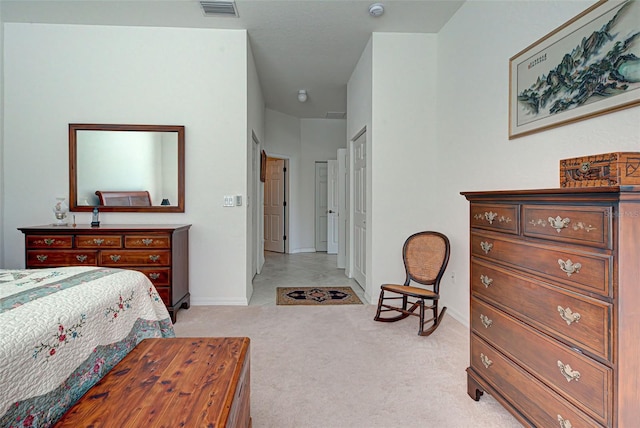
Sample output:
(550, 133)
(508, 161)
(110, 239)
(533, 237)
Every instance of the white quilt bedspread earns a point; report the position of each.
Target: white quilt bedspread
(63, 329)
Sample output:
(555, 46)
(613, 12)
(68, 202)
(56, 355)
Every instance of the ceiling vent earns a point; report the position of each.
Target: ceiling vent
(336, 115)
(219, 8)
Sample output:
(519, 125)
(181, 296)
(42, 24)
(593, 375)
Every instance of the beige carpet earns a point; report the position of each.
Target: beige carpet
(316, 296)
(334, 367)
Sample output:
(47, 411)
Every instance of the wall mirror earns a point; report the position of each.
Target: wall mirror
(126, 168)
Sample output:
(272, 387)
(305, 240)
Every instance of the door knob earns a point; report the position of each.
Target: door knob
(330, 211)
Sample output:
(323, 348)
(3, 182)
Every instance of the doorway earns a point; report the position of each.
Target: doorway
(275, 205)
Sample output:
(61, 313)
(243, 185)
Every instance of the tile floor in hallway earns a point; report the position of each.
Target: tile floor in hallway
(298, 270)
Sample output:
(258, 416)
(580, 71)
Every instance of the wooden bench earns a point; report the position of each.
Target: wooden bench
(171, 382)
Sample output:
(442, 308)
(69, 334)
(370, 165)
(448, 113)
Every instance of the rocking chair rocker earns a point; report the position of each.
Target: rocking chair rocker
(425, 256)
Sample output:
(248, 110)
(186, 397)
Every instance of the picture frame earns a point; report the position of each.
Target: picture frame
(587, 67)
(263, 166)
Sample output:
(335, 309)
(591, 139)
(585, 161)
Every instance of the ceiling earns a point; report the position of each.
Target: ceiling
(297, 44)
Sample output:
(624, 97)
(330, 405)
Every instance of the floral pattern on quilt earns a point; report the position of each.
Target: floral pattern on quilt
(63, 330)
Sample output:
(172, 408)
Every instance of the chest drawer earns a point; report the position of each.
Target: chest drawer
(579, 320)
(498, 217)
(578, 225)
(57, 241)
(578, 378)
(101, 241)
(590, 272)
(135, 258)
(147, 241)
(541, 406)
(55, 258)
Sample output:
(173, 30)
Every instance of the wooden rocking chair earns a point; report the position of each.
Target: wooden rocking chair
(425, 256)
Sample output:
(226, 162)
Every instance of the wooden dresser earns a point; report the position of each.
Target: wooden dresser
(159, 251)
(555, 304)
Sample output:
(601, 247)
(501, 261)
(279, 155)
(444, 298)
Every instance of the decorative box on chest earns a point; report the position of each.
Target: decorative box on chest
(555, 291)
(159, 251)
(610, 169)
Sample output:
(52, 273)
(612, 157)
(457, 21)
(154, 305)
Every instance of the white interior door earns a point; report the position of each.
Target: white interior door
(321, 206)
(342, 208)
(274, 206)
(359, 159)
(332, 207)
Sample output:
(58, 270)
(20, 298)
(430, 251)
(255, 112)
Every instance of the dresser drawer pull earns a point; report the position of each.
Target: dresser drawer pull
(147, 241)
(485, 360)
(486, 322)
(154, 275)
(569, 267)
(559, 223)
(81, 258)
(568, 315)
(98, 241)
(486, 281)
(114, 257)
(490, 216)
(580, 225)
(564, 423)
(486, 246)
(566, 371)
(154, 258)
(49, 241)
(42, 258)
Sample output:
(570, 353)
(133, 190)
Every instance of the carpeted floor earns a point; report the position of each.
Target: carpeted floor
(334, 367)
(316, 296)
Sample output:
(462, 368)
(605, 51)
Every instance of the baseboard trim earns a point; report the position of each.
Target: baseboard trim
(219, 302)
(303, 250)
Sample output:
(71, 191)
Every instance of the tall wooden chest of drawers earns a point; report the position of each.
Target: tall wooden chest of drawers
(159, 251)
(555, 304)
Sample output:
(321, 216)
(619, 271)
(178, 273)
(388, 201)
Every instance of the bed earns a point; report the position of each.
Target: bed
(63, 329)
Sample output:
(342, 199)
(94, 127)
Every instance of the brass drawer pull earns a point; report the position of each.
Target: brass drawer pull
(114, 257)
(569, 267)
(49, 241)
(567, 372)
(486, 281)
(486, 246)
(490, 216)
(154, 275)
(485, 360)
(564, 423)
(559, 223)
(98, 241)
(147, 241)
(81, 258)
(486, 322)
(42, 258)
(154, 258)
(568, 315)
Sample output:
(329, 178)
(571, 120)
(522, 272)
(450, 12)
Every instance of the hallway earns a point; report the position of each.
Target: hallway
(303, 270)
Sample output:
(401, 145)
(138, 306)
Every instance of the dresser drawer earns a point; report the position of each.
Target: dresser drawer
(587, 225)
(43, 241)
(590, 272)
(501, 218)
(158, 276)
(540, 405)
(55, 258)
(579, 320)
(578, 378)
(135, 258)
(147, 241)
(99, 241)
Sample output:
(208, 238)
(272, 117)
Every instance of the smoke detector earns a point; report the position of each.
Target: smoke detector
(376, 10)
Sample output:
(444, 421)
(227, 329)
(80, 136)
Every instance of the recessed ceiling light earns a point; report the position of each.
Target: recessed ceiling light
(376, 9)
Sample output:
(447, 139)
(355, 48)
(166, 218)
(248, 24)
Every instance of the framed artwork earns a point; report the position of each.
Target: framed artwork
(263, 165)
(587, 67)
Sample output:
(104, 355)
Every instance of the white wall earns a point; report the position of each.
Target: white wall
(474, 152)
(303, 142)
(1, 139)
(59, 74)
(255, 125)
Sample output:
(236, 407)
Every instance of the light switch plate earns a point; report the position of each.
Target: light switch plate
(229, 201)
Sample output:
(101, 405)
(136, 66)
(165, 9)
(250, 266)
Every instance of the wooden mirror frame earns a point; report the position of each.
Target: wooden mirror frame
(73, 167)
